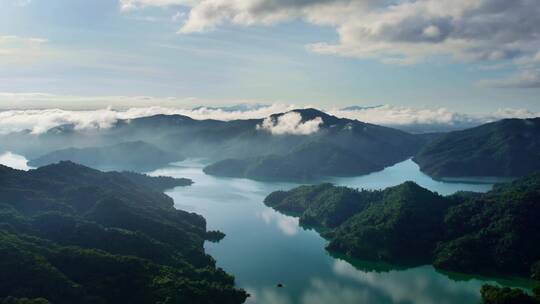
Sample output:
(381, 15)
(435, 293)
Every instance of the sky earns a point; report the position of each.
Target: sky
(470, 56)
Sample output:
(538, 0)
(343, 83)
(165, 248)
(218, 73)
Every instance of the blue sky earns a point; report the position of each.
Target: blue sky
(309, 52)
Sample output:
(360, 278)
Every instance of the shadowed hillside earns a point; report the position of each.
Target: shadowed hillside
(509, 148)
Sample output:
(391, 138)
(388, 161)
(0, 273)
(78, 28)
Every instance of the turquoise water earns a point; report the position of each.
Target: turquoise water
(263, 247)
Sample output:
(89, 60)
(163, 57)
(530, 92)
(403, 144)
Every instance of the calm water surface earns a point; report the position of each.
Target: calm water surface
(264, 248)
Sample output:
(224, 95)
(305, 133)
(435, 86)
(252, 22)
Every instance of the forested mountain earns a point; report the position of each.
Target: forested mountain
(509, 148)
(134, 156)
(300, 144)
(71, 234)
(495, 232)
(340, 147)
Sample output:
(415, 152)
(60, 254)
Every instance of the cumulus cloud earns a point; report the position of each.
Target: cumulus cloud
(290, 123)
(474, 29)
(394, 32)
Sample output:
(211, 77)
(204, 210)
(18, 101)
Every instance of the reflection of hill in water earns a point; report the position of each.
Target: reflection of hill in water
(386, 268)
(512, 281)
(370, 266)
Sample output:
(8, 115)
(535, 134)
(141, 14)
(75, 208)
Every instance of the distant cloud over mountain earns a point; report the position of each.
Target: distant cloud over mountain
(290, 123)
(418, 120)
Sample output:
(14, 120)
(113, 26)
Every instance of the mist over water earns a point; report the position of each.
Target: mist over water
(263, 247)
(14, 161)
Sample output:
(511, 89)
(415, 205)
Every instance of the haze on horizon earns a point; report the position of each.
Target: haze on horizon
(468, 56)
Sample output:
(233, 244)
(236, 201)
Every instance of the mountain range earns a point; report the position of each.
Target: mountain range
(302, 144)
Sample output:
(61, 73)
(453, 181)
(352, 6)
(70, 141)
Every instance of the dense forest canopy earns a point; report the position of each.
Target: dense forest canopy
(71, 234)
(509, 147)
(495, 232)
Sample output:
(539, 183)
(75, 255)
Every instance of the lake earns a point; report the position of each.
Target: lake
(263, 247)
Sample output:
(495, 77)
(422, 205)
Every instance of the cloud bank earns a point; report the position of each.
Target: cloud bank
(390, 31)
(291, 124)
(407, 118)
(14, 161)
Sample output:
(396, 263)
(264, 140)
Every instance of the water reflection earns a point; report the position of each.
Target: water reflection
(287, 224)
(421, 285)
(263, 248)
(350, 285)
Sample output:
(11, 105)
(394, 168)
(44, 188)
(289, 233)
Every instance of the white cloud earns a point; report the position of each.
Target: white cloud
(527, 79)
(14, 161)
(399, 116)
(290, 123)
(408, 118)
(39, 121)
(394, 32)
(428, 119)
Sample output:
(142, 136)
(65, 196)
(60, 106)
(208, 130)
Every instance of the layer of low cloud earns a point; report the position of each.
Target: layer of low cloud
(290, 123)
(394, 32)
(39, 121)
(407, 118)
(14, 161)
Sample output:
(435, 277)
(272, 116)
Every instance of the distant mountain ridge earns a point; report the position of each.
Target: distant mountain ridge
(332, 146)
(133, 156)
(507, 148)
(277, 148)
